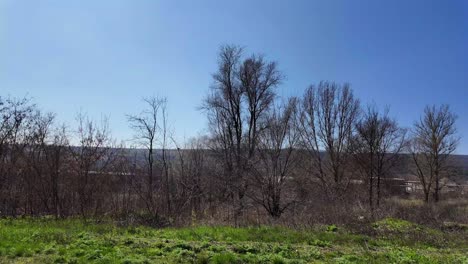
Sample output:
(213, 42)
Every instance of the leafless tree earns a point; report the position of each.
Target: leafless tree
(326, 125)
(165, 136)
(56, 155)
(35, 177)
(90, 159)
(258, 79)
(150, 127)
(14, 121)
(434, 140)
(277, 157)
(224, 110)
(190, 173)
(242, 93)
(377, 145)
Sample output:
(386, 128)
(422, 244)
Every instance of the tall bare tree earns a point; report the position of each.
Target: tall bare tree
(257, 78)
(242, 93)
(377, 143)
(434, 140)
(224, 110)
(326, 125)
(165, 163)
(150, 127)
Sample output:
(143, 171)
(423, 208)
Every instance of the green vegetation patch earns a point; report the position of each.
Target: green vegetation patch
(74, 241)
(396, 225)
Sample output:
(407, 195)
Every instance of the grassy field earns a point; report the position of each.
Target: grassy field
(72, 241)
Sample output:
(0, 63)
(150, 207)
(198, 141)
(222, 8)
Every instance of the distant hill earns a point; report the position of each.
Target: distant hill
(461, 161)
(139, 156)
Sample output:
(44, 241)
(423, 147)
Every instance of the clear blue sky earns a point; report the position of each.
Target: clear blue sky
(104, 56)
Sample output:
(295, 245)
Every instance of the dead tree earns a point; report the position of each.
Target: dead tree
(434, 139)
(326, 125)
(377, 145)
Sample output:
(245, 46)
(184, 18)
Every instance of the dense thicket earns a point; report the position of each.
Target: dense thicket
(265, 157)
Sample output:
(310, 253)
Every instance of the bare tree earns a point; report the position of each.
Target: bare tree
(326, 125)
(434, 140)
(56, 159)
(35, 176)
(224, 112)
(165, 136)
(15, 119)
(377, 143)
(257, 78)
(90, 159)
(149, 134)
(191, 177)
(277, 156)
(242, 93)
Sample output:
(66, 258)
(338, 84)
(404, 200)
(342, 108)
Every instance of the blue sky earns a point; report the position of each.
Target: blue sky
(103, 56)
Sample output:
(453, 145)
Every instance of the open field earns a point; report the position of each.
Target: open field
(72, 241)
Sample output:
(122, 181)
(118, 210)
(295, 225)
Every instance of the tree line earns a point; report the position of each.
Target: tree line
(263, 154)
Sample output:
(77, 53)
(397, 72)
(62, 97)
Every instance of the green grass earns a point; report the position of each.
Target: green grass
(72, 241)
